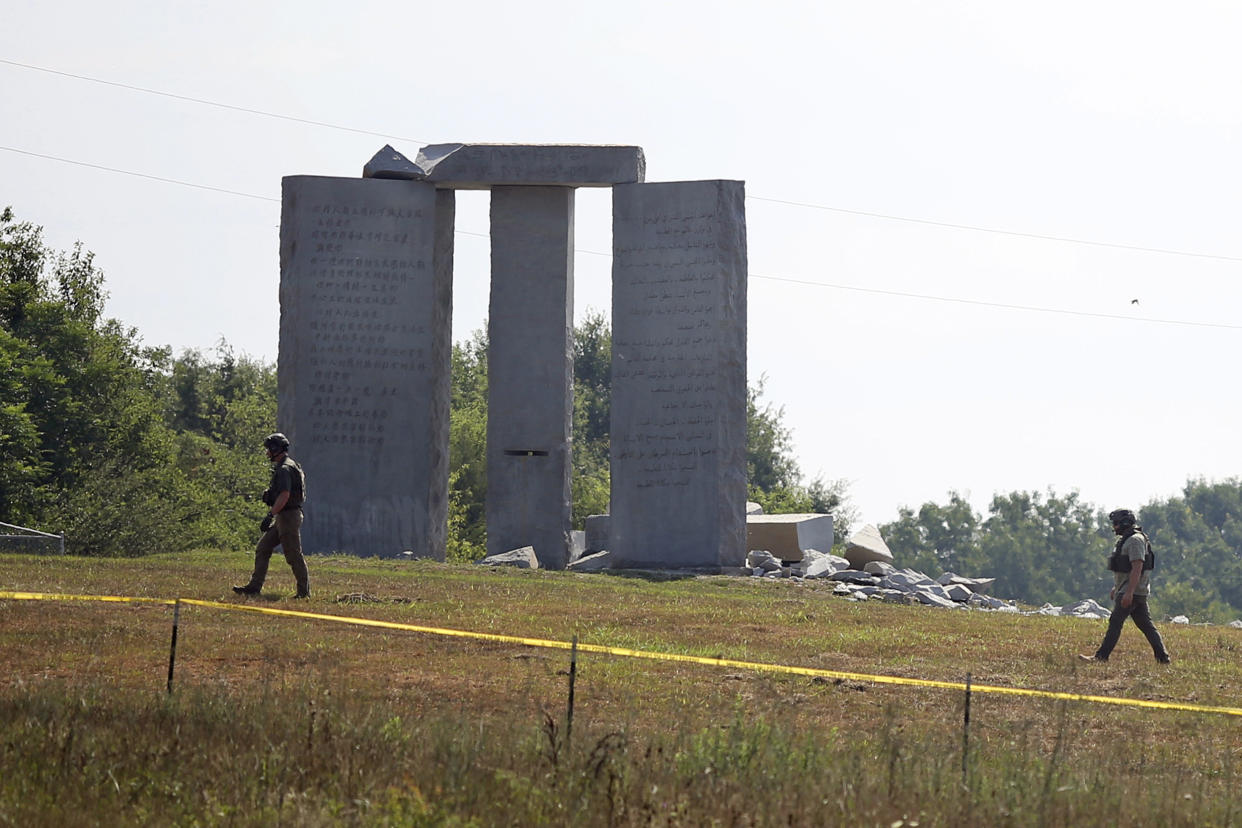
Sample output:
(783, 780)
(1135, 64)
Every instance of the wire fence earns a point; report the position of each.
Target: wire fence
(26, 541)
(576, 647)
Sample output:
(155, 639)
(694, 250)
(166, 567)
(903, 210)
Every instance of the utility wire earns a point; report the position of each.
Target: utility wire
(137, 174)
(977, 229)
(981, 303)
(803, 204)
(206, 102)
(854, 288)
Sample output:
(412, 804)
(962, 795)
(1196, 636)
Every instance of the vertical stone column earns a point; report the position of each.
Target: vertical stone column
(363, 374)
(530, 372)
(678, 457)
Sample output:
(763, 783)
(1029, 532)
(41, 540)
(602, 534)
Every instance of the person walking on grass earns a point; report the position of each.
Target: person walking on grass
(1131, 564)
(282, 526)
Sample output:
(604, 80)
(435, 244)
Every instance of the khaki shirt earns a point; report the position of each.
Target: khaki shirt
(1135, 548)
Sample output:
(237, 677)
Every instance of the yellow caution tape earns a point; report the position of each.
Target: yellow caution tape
(53, 596)
(628, 653)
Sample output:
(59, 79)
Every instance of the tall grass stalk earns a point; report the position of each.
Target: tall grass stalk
(316, 754)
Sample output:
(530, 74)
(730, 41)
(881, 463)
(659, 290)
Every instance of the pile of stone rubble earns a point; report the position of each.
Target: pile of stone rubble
(866, 573)
(881, 581)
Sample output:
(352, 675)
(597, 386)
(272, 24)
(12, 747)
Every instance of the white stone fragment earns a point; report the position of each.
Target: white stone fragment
(523, 558)
(596, 562)
(867, 545)
(762, 559)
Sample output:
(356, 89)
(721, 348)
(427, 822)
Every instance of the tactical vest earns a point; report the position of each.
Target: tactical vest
(1117, 562)
(297, 484)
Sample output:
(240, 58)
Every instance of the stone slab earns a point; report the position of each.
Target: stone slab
(530, 372)
(363, 371)
(598, 528)
(595, 562)
(678, 428)
(482, 166)
(867, 545)
(524, 558)
(788, 536)
(388, 163)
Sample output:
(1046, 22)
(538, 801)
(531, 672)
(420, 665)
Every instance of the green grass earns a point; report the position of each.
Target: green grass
(289, 721)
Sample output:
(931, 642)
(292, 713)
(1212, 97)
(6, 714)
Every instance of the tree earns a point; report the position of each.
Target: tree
(592, 419)
(467, 529)
(78, 394)
(944, 538)
(122, 448)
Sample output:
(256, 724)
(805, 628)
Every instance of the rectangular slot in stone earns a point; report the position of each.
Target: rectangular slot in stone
(529, 327)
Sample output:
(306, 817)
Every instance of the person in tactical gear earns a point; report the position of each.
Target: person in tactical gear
(282, 525)
(1131, 564)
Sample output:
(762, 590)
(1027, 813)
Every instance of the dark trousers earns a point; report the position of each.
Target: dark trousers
(286, 532)
(1142, 619)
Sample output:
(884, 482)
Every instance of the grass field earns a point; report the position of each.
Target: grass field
(278, 720)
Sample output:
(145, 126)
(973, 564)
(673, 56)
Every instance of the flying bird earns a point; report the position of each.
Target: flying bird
(1133, 301)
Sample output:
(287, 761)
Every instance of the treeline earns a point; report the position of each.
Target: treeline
(122, 447)
(131, 450)
(1052, 548)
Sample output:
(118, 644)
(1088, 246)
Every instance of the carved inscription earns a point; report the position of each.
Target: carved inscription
(670, 277)
(362, 351)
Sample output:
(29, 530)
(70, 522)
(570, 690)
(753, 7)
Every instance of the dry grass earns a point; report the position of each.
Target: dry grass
(1032, 761)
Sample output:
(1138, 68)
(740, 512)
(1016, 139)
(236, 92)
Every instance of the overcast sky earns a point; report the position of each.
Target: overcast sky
(916, 175)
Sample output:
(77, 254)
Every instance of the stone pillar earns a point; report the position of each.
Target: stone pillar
(530, 372)
(363, 374)
(679, 375)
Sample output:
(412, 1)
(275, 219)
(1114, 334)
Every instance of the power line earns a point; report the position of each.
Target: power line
(803, 204)
(138, 174)
(1002, 305)
(978, 229)
(206, 102)
(811, 283)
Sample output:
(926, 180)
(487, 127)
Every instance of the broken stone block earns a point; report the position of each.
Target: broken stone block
(597, 529)
(1089, 608)
(523, 558)
(980, 585)
(788, 536)
(908, 579)
(762, 559)
(957, 592)
(854, 576)
(879, 568)
(388, 163)
(932, 600)
(597, 562)
(867, 545)
(753, 508)
(818, 565)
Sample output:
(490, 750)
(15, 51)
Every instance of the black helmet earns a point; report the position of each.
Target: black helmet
(276, 442)
(1123, 518)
